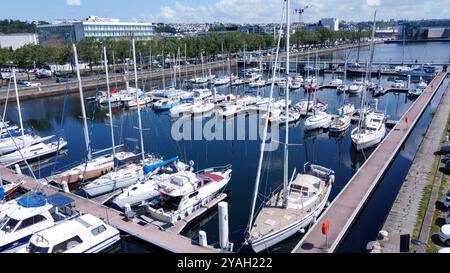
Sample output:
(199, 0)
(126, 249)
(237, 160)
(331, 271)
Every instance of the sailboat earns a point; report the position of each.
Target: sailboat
(29, 152)
(297, 203)
(93, 167)
(371, 128)
(130, 173)
(14, 138)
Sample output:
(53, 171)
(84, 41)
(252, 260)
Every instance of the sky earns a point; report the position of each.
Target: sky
(227, 11)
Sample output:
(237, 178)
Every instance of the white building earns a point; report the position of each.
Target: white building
(331, 23)
(94, 27)
(17, 40)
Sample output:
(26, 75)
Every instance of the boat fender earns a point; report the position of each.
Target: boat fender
(80, 177)
(331, 179)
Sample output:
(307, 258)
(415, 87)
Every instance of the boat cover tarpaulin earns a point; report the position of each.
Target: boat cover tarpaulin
(34, 200)
(150, 168)
(59, 200)
(2, 193)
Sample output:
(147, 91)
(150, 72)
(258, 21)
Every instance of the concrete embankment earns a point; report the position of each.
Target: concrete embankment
(405, 215)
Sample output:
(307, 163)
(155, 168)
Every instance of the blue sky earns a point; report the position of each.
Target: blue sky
(239, 11)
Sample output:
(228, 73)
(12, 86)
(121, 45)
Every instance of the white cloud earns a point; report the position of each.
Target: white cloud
(374, 2)
(167, 13)
(73, 2)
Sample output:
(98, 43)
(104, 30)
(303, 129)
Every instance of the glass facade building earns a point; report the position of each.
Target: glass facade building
(94, 27)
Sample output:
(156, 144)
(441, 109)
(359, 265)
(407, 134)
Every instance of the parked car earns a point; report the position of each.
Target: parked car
(444, 250)
(444, 235)
(445, 149)
(445, 158)
(32, 84)
(61, 80)
(447, 200)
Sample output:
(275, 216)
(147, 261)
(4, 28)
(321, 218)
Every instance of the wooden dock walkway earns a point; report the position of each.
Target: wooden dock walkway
(152, 234)
(347, 205)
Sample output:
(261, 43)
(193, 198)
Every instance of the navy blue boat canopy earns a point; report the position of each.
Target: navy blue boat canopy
(37, 200)
(150, 168)
(59, 200)
(34, 200)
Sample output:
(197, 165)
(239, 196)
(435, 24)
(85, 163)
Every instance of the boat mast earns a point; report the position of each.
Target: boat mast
(263, 144)
(138, 103)
(18, 102)
(109, 103)
(368, 71)
(83, 109)
(286, 144)
(164, 71)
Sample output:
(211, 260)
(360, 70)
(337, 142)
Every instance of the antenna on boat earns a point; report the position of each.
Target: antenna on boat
(83, 109)
(109, 103)
(137, 100)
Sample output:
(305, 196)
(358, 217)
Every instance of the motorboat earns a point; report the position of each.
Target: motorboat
(371, 132)
(222, 81)
(292, 116)
(257, 84)
(415, 92)
(83, 234)
(142, 102)
(305, 106)
(337, 82)
(165, 104)
(318, 120)
(186, 193)
(399, 84)
(356, 87)
(147, 188)
(35, 212)
(201, 94)
(33, 152)
(342, 88)
(237, 82)
(199, 80)
(422, 84)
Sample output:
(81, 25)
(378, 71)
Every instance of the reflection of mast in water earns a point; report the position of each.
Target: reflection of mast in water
(398, 101)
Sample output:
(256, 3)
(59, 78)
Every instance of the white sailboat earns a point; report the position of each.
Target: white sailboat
(371, 128)
(297, 203)
(131, 173)
(93, 167)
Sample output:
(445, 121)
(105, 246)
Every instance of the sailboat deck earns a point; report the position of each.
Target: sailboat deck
(273, 216)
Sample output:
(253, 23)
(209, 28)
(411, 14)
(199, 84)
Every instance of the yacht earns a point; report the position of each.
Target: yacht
(415, 92)
(199, 80)
(35, 212)
(292, 116)
(186, 192)
(201, 94)
(356, 87)
(165, 104)
(222, 81)
(146, 188)
(342, 88)
(33, 152)
(399, 84)
(371, 132)
(304, 105)
(273, 116)
(422, 84)
(337, 82)
(237, 82)
(84, 234)
(257, 84)
(142, 102)
(317, 121)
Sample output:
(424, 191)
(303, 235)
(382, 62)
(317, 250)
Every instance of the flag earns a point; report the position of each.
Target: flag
(115, 90)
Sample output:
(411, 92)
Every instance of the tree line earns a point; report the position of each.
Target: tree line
(90, 50)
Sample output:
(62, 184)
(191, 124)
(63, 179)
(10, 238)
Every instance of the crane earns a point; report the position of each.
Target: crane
(300, 12)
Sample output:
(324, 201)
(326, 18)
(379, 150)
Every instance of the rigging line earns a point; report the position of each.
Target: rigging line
(61, 127)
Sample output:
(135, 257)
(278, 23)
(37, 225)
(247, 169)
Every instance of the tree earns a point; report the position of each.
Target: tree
(90, 51)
